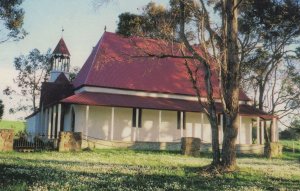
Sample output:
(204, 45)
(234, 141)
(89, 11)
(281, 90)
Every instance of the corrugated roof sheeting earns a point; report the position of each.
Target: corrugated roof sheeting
(118, 100)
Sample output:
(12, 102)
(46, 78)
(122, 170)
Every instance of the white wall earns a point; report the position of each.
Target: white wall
(245, 132)
(168, 129)
(67, 118)
(122, 124)
(154, 128)
(150, 126)
(32, 125)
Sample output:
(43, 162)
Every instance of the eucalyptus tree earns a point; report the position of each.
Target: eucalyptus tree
(230, 42)
(33, 69)
(11, 20)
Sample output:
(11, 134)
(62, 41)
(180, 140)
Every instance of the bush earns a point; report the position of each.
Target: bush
(289, 134)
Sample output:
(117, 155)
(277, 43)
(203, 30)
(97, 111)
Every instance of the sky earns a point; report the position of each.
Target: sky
(83, 26)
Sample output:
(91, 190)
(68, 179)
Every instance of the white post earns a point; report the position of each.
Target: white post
(273, 129)
(112, 123)
(202, 127)
(221, 132)
(277, 131)
(257, 130)
(58, 119)
(159, 124)
(181, 124)
(137, 136)
(46, 123)
(133, 130)
(240, 126)
(49, 122)
(41, 123)
(251, 125)
(87, 109)
(54, 122)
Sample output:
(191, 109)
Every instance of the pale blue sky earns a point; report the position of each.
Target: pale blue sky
(44, 19)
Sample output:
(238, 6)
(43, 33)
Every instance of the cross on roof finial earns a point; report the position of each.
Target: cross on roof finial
(62, 31)
(105, 28)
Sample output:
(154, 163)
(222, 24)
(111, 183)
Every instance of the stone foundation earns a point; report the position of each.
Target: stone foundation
(250, 149)
(6, 139)
(170, 146)
(69, 141)
(102, 144)
(190, 146)
(240, 148)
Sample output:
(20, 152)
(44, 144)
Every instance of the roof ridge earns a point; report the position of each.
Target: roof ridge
(96, 53)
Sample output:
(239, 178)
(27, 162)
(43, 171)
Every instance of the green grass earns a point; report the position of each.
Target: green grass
(289, 144)
(115, 169)
(18, 126)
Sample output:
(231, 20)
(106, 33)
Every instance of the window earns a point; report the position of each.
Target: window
(134, 117)
(179, 119)
(140, 118)
(219, 118)
(136, 123)
(73, 121)
(183, 119)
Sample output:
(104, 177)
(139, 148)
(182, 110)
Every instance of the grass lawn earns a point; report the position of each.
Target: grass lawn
(289, 144)
(115, 169)
(16, 125)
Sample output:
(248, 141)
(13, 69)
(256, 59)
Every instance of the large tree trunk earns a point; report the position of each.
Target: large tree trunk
(212, 114)
(229, 142)
(261, 87)
(230, 86)
(215, 140)
(261, 91)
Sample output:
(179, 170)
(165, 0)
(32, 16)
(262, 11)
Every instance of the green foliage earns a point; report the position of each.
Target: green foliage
(73, 73)
(155, 21)
(268, 29)
(130, 24)
(18, 126)
(293, 132)
(290, 144)
(11, 16)
(1, 109)
(32, 69)
(139, 170)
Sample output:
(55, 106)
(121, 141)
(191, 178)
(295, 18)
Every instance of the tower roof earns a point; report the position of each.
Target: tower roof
(61, 48)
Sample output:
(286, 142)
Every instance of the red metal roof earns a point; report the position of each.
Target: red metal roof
(103, 99)
(124, 63)
(61, 48)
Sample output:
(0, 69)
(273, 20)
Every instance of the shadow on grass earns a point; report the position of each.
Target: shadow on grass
(56, 174)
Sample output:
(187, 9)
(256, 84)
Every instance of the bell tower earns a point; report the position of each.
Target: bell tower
(60, 61)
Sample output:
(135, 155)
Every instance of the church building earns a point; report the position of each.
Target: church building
(124, 96)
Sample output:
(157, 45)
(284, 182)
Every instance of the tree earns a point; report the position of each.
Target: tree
(73, 73)
(155, 21)
(218, 45)
(292, 132)
(265, 63)
(11, 17)
(32, 69)
(130, 24)
(223, 45)
(1, 109)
